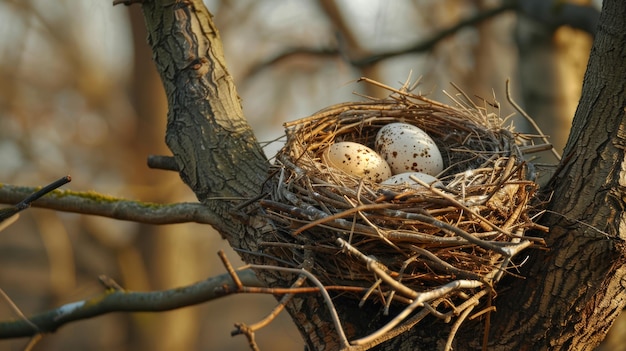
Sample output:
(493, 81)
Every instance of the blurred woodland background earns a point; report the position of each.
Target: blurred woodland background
(80, 95)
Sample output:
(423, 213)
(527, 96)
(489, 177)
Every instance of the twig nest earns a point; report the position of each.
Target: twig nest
(415, 235)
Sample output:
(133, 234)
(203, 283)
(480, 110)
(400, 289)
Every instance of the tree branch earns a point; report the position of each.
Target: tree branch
(575, 290)
(429, 43)
(577, 16)
(93, 203)
(126, 301)
(583, 17)
(422, 46)
(167, 163)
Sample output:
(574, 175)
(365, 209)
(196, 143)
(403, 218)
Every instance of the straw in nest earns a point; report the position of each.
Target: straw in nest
(406, 245)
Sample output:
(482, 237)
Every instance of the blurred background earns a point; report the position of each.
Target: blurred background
(79, 95)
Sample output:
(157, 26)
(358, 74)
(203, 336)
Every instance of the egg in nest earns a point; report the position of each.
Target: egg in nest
(407, 148)
(357, 160)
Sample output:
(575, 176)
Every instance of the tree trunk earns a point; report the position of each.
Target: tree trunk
(213, 145)
(572, 292)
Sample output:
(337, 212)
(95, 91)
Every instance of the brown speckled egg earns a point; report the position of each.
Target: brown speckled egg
(358, 160)
(407, 148)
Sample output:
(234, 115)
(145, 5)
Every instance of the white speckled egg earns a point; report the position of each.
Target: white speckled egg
(405, 178)
(358, 160)
(407, 148)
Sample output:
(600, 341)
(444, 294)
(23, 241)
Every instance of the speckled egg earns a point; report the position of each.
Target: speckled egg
(358, 160)
(407, 148)
(405, 178)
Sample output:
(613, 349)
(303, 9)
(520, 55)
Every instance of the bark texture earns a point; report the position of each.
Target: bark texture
(573, 291)
(214, 147)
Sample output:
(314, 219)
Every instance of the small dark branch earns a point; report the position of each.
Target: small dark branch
(279, 308)
(127, 2)
(5, 213)
(422, 46)
(93, 203)
(248, 331)
(323, 291)
(553, 14)
(245, 330)
(43, 191)
(226, 290)
(230, 270)
(123, 301)
(167, 163)
(109, 283)
(32, 342)
(529, 119)
(16, 309)
(331, 53)
(430, 43)
(582, 17)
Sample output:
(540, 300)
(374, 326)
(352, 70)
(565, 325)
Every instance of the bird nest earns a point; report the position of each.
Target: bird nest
(442, 245)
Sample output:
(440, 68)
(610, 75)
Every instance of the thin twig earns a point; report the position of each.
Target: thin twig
(486, 310)
(251, 329)
(456, 326)
(17, 310)
(369, 292)
(278, 309)
(374, 266)
(400, 329)
(229, 269)
(109, 283)
(372, 225)
(329, 302)
(461, 205)
(10, 220)
(227, 290)
(445, 266)
(429, 43)
(418, 302)
(529, 119)
(33, 342)
(245, 330)
(36, 194)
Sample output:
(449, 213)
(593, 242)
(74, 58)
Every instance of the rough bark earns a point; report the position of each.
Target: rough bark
(214, 147)
(573, 291)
